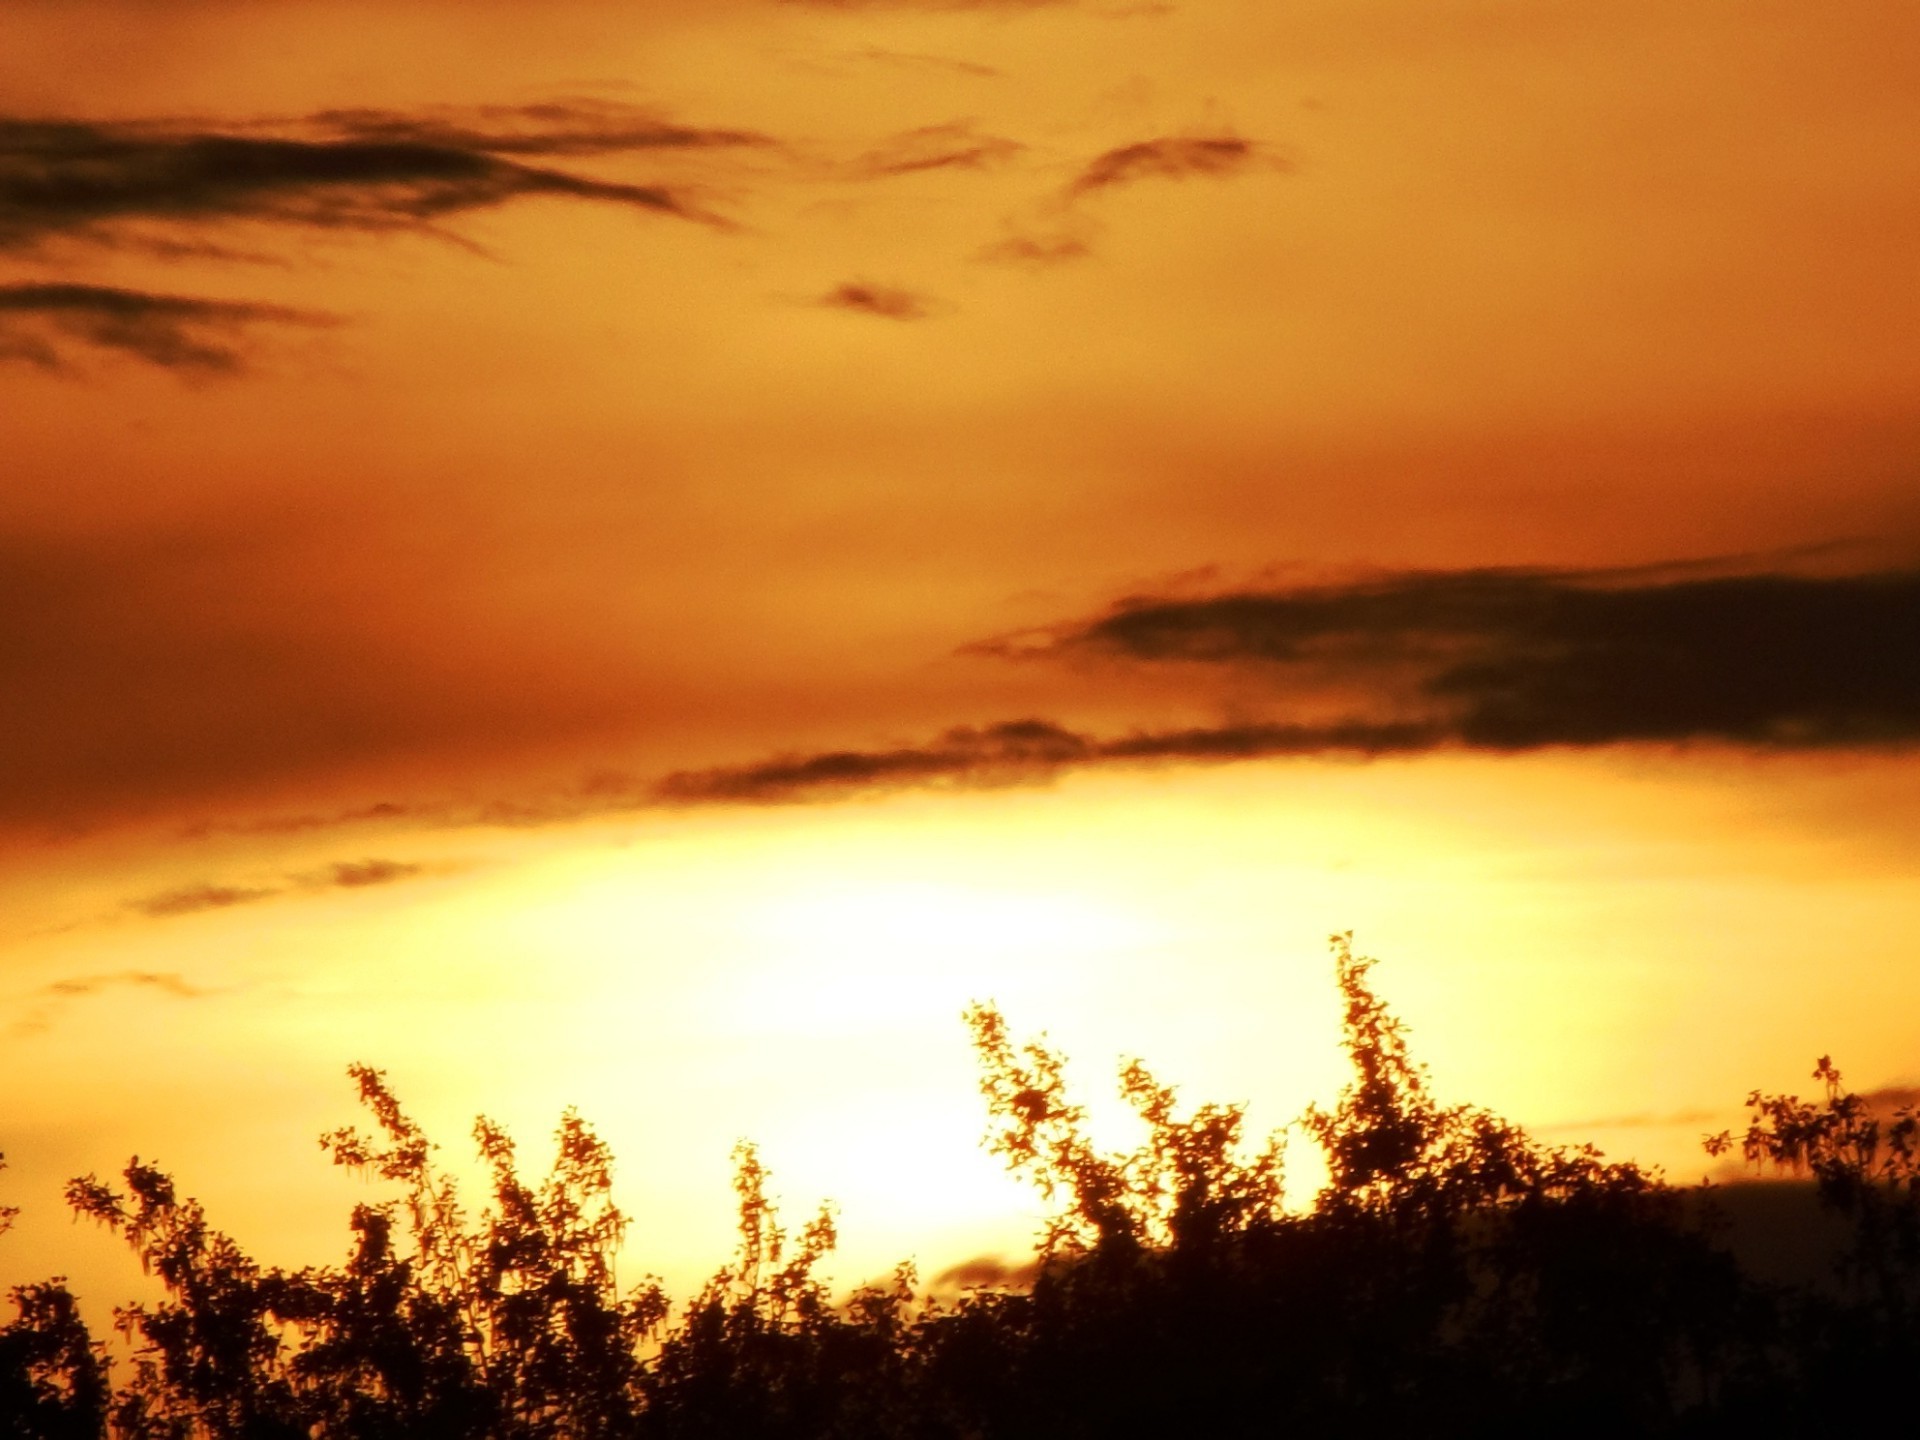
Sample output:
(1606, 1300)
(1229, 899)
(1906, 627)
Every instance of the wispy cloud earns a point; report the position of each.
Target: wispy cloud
(364, 170)
(39, 322)
(340, 875)
(952, 146)
(1171, 157)
(192, 899)
(549, 130)
(360, 874)
(169, 982)
(1064, 226)
(1041, 248)
(45, 1005)
(885, 301)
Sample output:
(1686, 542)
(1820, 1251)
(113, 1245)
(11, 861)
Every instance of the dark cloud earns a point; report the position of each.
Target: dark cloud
(177, 332)
(937, 147)
(192, 899)
(1515, 659)
(353, 170)
(1170, 158)
(885, 301)
(549, 130)
(1019, 752)
(1499, 660)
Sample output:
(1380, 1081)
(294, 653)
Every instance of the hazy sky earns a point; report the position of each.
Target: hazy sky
(643, 554)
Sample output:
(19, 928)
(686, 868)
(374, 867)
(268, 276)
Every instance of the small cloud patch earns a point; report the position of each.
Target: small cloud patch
(884, 301)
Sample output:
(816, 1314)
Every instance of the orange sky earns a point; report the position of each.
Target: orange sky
(643, 555)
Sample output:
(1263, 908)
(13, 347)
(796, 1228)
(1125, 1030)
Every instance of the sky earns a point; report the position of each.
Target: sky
(643, 556)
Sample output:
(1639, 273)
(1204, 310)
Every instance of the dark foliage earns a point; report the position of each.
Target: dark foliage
(1451, 1278)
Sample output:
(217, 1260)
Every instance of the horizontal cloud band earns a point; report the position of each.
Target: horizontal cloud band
(1509, 659)
(1494, 660)
(179, 332)
(356, 170)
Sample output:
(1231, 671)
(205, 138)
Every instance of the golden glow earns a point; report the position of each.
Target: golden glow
(575, 495)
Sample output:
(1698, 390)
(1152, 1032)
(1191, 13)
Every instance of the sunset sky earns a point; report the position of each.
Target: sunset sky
(641, 555)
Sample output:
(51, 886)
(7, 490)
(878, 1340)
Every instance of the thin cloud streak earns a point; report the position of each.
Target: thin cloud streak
(1170, 157)
(1021, 752)
(38, 322)
(168, 982)
(57, 995)
(205, 896)
(194, 899)
(936, 147)
(553, 129)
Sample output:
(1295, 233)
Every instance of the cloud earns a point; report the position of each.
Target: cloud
(884, 301)
(204, 895)
(359, 874)
(1517, 659)
(344, 170)
(551, 129)
(192, 899)
(955, 146)
(910, 60)
(1060, 229)
(1040, 250)
(1491, 660)
(57, 995)
(1018, 752)
(175, 332)
(1170, 158)
(168, 982)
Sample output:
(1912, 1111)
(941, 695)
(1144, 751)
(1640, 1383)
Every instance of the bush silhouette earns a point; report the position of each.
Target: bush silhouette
(1452, 1277)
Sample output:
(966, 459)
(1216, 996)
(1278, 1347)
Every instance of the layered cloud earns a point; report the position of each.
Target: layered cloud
(1488, 660)
(40, 324)
(362, 170)
(1515, 659)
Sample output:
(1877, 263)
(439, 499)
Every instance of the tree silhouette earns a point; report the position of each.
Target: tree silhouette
(1451, 1277)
